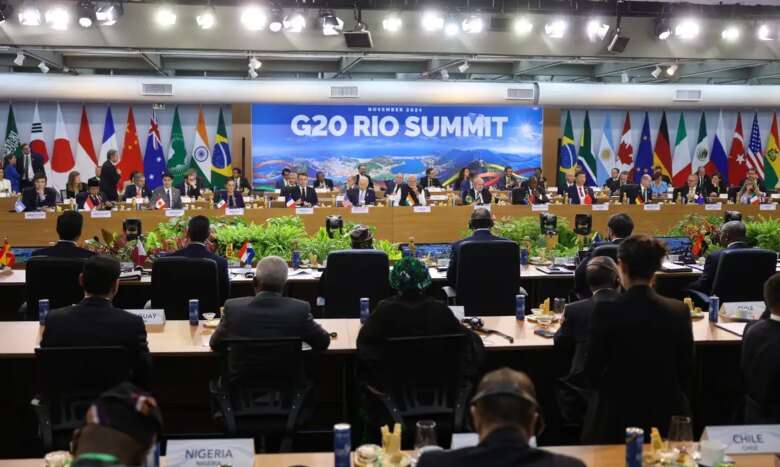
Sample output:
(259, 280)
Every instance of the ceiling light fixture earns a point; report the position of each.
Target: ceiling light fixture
(294, 22)
(451, 26)
(19, 60)
(108, 15)
(57, 17)
(30, 15)
(165, 16)
(624, 78)
(331, 24)
(464, 67)
(254, 63)
(277, 20)
(731, 33)
(207, 18)
(432, 21)
(86, 14)
(253, 18)
(656, 72)
(687, 29)
(392, 23)
(523, 25)
(596, 30)
(764, 33)
(252, 73)
(663, 30)
(473, 24)
(556, 29)
(672, 69)
(445, 74)
(43, 67)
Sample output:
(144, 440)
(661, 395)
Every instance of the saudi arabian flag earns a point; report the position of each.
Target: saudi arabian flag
(221, 163)
(178, 159)
(201, 152)
(772, 158)
(13, 144)
(585, 158)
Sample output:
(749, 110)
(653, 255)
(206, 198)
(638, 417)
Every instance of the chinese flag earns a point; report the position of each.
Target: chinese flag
(131, 151)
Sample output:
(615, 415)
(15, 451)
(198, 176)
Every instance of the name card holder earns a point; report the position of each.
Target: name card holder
(95, 214)
(767, 207)
(742, 310)
(438, 197)
(540, 207)
(723, 196)
(35, 215)
(599, 207)
(359, 210)
(713, 207)
(151, 317)
(186, 199)
(202, 452)
(174, 212)
(421, 209)
(234, 212)
(746, 439)
(304, 211)
(486, 206)
(652, 207)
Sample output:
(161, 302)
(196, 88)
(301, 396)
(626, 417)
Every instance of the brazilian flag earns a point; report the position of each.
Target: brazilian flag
(221, 163)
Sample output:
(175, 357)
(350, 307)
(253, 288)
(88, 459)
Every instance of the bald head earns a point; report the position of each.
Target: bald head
(481, 219)
(601, 273)
(271, 274)
(732, 231)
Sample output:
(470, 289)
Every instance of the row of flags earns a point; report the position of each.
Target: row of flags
(676, 162)
(213, 163)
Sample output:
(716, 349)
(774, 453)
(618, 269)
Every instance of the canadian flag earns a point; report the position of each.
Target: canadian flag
(139, 253)
(86, 158)
(62, 161)
(88, 204)
(221, 204)
(160, 204)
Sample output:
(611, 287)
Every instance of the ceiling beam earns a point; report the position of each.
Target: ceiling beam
(154, 61)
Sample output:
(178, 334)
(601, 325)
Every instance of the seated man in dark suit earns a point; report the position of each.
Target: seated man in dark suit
(530, 192)
(95, 321)
(505, 415)
(689, 193)
(619, 226)
(281, 184)
(268, 314)
(190, 186)
(302, 194)
(640, 349)
(322, 183)
(732, 236)
(362, 195)
(198, 232)
(69, 230)
(481, 222)
(580, 193)
(93, 198)
(761, 361)
(478, 194)
(601, 277)
(564, 188)
(137, 189)
(430, 180)
(39, 197)
(509, 181)
(232, 198)
(613, 183)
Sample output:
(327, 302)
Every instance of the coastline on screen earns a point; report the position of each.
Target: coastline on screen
(392, 139)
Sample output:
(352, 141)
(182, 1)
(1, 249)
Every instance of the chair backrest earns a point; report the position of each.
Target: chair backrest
(351, 275)
(581, 288)
(741, 274)
(56, 279)
(609, 249)
(488, 277)
(177, 280)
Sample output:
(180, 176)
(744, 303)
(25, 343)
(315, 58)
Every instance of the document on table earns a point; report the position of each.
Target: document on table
(734, 328)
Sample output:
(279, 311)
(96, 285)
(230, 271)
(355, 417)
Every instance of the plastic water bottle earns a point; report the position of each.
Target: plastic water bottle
(43, 310)
(296, 259)
(523, 257)
(194, 311)
(714, 307)
(342, 445)
(520, 307)
(364, 309)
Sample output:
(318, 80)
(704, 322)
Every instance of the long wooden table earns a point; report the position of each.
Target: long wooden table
(442, 224)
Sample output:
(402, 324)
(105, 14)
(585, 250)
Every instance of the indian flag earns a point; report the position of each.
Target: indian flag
(772, 158)
(201, 152)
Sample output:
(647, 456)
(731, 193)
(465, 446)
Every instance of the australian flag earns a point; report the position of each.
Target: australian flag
(154, 158)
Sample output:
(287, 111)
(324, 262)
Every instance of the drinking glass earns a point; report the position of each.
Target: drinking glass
(209, 316)
(425, 434)
(681, 434)
(558, 305)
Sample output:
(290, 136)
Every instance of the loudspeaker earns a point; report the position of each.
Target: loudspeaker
(618, 43)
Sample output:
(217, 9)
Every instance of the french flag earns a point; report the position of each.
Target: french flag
(109, 137)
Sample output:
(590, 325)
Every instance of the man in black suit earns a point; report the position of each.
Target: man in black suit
(732, 236)
(640, 356)
(242, 184)
(322, 183)
(28, 165)
(530, 192)
(69, 230)
(39, 197)
(302, 194)
(198, 231)
(601, 277)
(362, 195)
(97, 199)
(95, 321)
(137, 189)
(509, 181)
(268, 314)
(282, 183)
(703, 180)
(761, 361)
(613, 182)
(753, 175)
(190, 186)
(478, 194)
(110, 176)
(580, 193)
(690, 192)
(505, 415)
(429, 180)
(481, 222)
(563, 189)
(619, 226)
(393, 187)
(363, 172)
(644, 195)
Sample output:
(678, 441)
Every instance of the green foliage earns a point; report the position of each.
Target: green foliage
(526, 231)
(764, 233)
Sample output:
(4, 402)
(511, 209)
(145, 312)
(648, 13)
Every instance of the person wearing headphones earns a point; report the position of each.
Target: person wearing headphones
(505, 415)
(481, 222)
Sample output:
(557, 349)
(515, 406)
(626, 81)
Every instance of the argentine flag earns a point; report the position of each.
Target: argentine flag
(605, 158)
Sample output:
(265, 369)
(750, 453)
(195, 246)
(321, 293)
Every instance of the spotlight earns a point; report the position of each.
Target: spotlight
(451, 26)
(730, 34)
(464, 67)
(30, 15)
(165, 16)
(432, 21)
(277, 21)
(473, 24)
(44, 69)
(656, 72)
(255, 64)
(108, 15)
(596, 30)
(57, 17)
(19, 60)
(331, 24)
(5, 12)
(445, 74)
(687, 29)
(764, 33)
(672, 69)
(252, 73)
(392, 23)
(662, 29)
(86, 14)
(294, 22)
(253, 18)
(207, 19)
(523, 26)
(556, 29)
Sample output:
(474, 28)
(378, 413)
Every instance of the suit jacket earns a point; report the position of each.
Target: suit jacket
(523, 194)
(280, 184)
(574, 195)
(95, 322)
(370, 181)
(242, 184)
(640, 349)
(326, 183)
(645, 196)
(613, 185)
(269, 315)
(353, 195)
(37, 164)
(501, 448)
(186, 190)
(390, 187)
(199, 250)
(159, 192)
(294, 193)
(33, 203)
(131, 191)
(683, 191)
(712, 190)
(703, 183)
(64, 249)
(504, 184)
(412, 197)
(481, 235)
(564, 188)
(109, 179)
(471, 194)
(72, 194)
(238, 199)
(97, 200)
(761, 372)
(705, 281)
(427, 182)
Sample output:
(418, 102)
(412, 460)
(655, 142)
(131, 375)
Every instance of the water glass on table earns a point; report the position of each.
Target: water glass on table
(680, 437)
(425, 435)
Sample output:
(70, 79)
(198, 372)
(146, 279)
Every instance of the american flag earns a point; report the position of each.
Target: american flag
(755, 158)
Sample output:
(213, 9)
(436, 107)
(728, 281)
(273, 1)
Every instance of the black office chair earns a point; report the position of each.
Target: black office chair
(488, 277)
(262, 389)
(351, 275)
(177, 280)
(422, 379)
(69, 380)
(740, 276)
(56, 279)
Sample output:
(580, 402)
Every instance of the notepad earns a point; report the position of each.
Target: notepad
(734, 328)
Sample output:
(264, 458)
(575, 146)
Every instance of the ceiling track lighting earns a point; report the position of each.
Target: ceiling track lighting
(464, 67)
(596, 30)
(30, 15)
(663, 29)
(432, 21)
(276, 21)
(731, 33)
(687, 29)
(108, 14)
(451, 26)
(556, 29)
(473, 24)
(43, 67)
(254, 63)
(672, 69)
(19, 60)
(392, 22)
(294, 22)
(764, 32)
(254, 18)
(523, 26)
(86, 14)
(207, 18)
(656, 72)
(331, 24)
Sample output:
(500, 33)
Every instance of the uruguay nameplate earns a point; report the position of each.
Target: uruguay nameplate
(304, 211)
(210, 452)
(540, 207)
(742, 310)
(652, 207)
(234, 211)
(421, 209)
(713, 207)
(746, 439)
(486, 206)
(100, 214)
(174, 212)
(151, 317)
(599, 207)
(767, 207)
(35, 215)
(359, 210)
(438, 197)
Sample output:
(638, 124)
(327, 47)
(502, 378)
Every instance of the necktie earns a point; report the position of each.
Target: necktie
(231, 203)
(28, 163)
(303, 193)
(168, 197)
(479, 197)
(582, 195)
(362, 198)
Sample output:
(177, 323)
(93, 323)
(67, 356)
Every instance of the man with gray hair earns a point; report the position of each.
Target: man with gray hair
(733, 235)
(268, 314)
